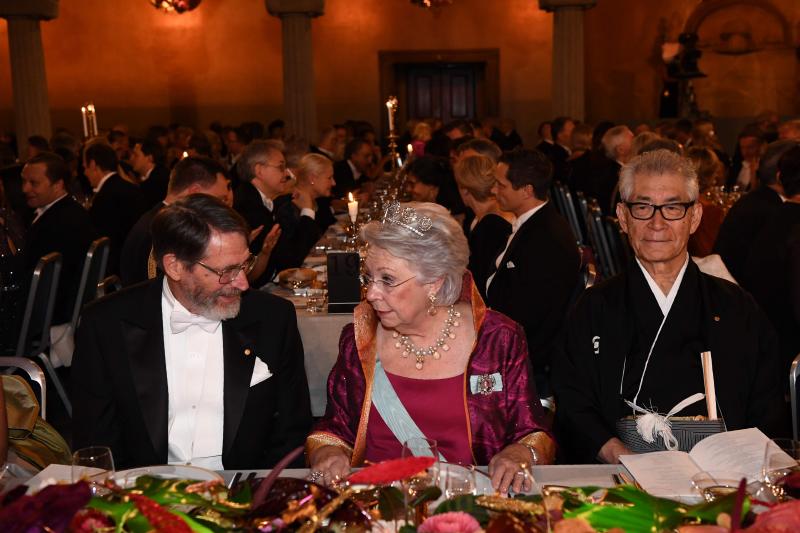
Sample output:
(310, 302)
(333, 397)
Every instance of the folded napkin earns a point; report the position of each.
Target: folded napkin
(260, 372)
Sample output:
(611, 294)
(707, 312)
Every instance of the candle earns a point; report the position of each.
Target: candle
(409, 149)
(352, 207)
(94, 118)
(389, 106)
(185, 155)
(85, 127)
(708, 382)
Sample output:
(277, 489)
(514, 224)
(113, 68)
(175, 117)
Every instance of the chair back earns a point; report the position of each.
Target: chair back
(94, 269)
(617, 243)
(35, 374)
(108, 285)
(38, 314)
(599, 239)
(566, 206)
(558, 198)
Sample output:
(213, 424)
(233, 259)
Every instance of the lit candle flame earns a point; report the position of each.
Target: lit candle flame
(185, 155)
(350, 197)
(410, 148)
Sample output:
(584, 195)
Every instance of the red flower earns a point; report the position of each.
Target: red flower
(456, 522)
(392, 470)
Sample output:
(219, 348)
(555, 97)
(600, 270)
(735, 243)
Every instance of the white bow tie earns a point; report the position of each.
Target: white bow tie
(180, 322)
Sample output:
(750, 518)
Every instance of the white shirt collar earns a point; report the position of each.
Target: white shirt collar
(268, 203)
(326, 152)
(102, 181)
(146, 175)
(40, 211)
(356, 172)
(523, 218)
(665, 301)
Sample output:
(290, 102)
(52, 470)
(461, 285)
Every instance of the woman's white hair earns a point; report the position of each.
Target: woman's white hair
(657, 163)
(441, 252)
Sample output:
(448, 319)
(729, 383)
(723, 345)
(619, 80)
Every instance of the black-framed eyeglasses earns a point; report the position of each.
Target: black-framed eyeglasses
(381, 284)
(227, 275)
(671, 211)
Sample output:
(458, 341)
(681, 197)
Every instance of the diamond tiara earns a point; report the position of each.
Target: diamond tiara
(406, 217)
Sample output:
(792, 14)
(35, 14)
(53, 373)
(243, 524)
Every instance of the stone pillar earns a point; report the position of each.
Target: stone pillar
(298, 63)
(28, 77)
(568, 68)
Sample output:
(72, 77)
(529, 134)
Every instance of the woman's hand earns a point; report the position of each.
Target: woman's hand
(506, 471)
(329, 464)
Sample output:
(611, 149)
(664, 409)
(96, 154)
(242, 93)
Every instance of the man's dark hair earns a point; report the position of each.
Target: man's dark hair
(56, 169)
(557, 126)
(541, 126)
(789, 169)
(768, 164)
(484, 147)
(39, 142)
(154, 132)
(354, 146)
(194, 170)
(529, 167)
(458, 124)
(431, 170)
(103, 155)
(185, 227)
(751, 130)
(154, 149)
(252, 130)
(684, 125)
(200, 143)
(599, 130)
(274, 125)
(116, 135)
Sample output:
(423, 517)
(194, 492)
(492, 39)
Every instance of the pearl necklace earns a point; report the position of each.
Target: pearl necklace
(408, 347)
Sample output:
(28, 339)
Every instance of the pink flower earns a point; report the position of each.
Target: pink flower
(456, 522)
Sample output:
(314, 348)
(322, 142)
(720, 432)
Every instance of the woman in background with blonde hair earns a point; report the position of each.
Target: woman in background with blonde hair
(491, 227)
(305, 218)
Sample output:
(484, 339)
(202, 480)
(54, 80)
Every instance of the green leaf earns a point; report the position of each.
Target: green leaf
(244, 495)
(465, 503)
(428, 494)
(196, 526)
(708, 511)
(390, 503)
(407, 529)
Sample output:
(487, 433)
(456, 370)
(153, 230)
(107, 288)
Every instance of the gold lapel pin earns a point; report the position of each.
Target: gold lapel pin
(247, 351)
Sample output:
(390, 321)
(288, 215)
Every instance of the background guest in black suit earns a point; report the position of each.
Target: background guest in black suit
(772, 270)
(746, 218)
(430, 179)
(350, 173)
(148, 161)
(308, 215)
(264, 178)
(117, 203)
(191, 175)
(537, 272)
(60, 225)
(490, 228)
(327, 144)
(558, 153)
(192, 367)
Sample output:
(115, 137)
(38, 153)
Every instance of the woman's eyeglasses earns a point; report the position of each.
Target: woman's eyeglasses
(381, 284)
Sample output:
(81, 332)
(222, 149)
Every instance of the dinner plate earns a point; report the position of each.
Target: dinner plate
(126, 478)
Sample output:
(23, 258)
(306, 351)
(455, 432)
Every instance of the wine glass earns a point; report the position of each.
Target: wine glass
(714, 484)
(459, 479)
(780, 462)
(95, 465)
(414, 485)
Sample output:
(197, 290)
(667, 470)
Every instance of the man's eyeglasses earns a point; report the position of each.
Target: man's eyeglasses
(381, 284)
(280, 166)
(645, 211)
(227, 275)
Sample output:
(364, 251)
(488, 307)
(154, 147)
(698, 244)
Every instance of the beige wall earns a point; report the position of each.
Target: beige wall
(223, 61)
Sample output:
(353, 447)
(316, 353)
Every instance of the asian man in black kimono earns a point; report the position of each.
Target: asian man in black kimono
(638, 336)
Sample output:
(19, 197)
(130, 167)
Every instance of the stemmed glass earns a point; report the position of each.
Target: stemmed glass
(780, 460)
(458, 479)
(94, 465)
(413, 486)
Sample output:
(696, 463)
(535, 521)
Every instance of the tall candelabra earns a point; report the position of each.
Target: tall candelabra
(391, 109)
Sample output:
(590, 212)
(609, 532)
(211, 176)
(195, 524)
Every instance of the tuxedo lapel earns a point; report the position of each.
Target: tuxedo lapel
(239, 353)
(144, 343)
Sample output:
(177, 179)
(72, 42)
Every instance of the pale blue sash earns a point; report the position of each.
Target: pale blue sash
(392, 410)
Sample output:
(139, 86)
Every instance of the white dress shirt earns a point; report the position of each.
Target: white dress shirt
(195, 381)
(356, 172)
(743, 179)
(518, 222)
(102, 182)
(665, 301)
(268, 203)
(40, 211)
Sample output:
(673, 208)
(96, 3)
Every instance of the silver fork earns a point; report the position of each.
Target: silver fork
(235, 479)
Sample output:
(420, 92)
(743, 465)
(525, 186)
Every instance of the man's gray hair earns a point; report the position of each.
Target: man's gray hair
(254, 153)
(441, 252)
(657, 163)
(613, 138)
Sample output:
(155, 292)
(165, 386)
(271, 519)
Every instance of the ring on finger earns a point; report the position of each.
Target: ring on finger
(316, 476)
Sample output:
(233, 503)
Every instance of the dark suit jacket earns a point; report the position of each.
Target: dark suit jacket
(536, 279)
(596, 175)
(64, 228)
(137, 247)
(741, 226)
(115, 209)
(299, 234)
(344, 178)
(120, 394)
(558, 156)
(154, 188)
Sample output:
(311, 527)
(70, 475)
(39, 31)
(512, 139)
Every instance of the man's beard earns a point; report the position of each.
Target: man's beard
(207, 305)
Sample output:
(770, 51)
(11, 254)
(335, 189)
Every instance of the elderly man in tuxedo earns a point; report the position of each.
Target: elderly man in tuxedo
(191, 368)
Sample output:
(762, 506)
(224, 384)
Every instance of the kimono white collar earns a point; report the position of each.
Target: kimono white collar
(665, 301)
